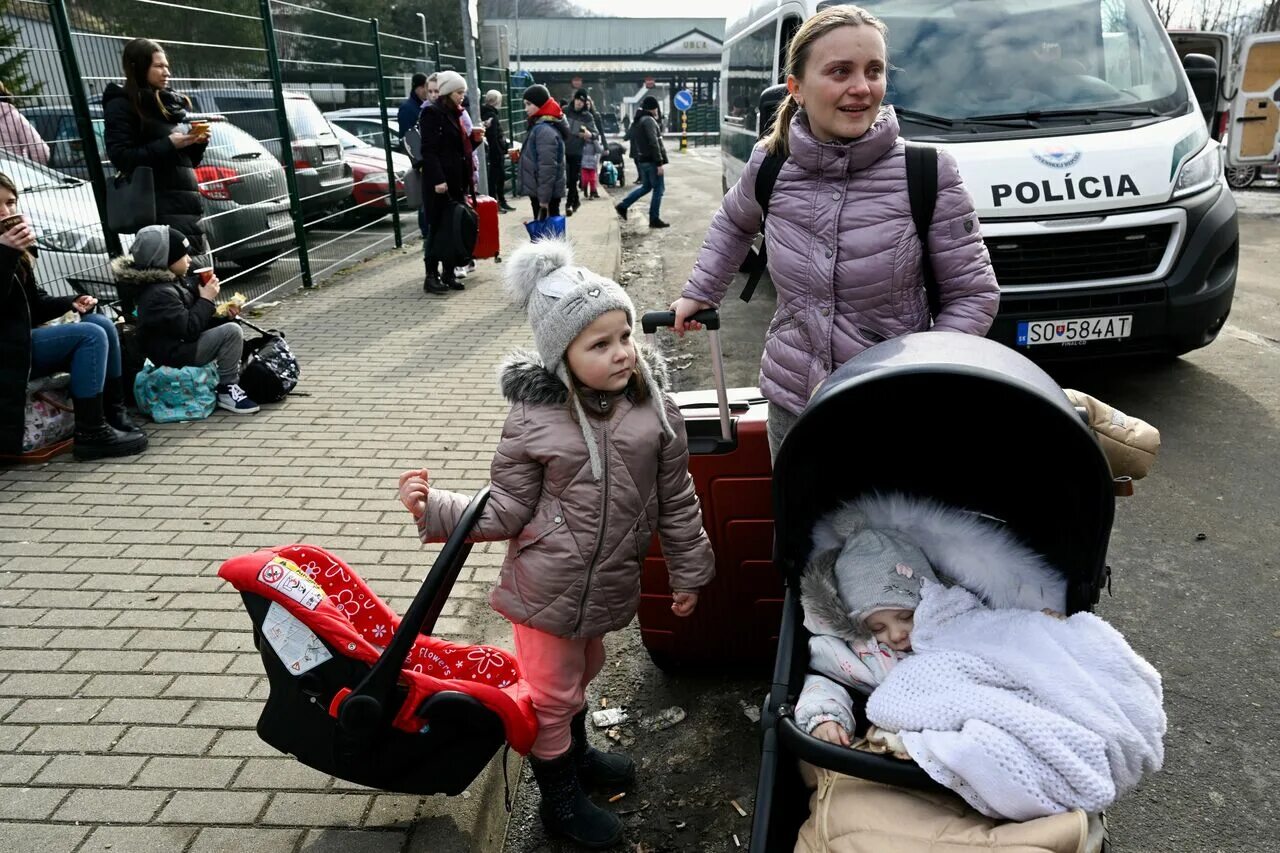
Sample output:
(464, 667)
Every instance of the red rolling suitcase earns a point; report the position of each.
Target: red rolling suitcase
(736, 622)
(487, 244)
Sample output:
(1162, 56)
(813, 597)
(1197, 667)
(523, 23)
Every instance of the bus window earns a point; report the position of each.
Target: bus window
(789, 26)
(750, 73)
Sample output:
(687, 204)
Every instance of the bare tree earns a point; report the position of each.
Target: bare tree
(1214, 15)
(1164, 10)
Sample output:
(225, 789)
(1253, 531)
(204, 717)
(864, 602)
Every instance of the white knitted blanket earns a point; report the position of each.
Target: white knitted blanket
(1022, 714)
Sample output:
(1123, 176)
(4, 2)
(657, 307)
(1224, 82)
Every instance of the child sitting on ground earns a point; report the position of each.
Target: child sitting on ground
(593, 459)
(177, 325)
(591, 152)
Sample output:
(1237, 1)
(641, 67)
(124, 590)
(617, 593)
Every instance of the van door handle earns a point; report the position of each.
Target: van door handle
(1243, 119)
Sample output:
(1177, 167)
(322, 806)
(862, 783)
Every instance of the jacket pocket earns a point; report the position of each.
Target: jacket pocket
(779, 324)
(552, 520)
(910, 304)
(643, 536)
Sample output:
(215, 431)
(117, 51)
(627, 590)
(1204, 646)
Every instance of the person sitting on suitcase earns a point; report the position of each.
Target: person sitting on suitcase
(593, 459)
(859, 602)
(177, 326)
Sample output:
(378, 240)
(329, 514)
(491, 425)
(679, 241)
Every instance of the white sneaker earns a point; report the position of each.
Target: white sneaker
(460, 272)
(233, 399)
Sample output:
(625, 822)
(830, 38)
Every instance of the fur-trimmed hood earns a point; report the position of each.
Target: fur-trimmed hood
(523, 378)
(126, 273)
(964, 549)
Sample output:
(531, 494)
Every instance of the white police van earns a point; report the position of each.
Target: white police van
(1079, 136)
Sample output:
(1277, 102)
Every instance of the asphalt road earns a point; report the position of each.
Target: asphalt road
(1194, 554)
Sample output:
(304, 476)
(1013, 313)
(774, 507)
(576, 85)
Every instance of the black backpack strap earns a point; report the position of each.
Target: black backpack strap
(765, 179)
(922, 190)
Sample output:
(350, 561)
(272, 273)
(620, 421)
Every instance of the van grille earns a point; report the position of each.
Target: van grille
(1080, 256)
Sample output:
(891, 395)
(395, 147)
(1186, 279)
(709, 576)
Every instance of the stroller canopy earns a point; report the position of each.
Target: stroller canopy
(962, 420)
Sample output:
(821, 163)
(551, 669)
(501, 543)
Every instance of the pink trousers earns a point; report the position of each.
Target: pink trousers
(557, 672)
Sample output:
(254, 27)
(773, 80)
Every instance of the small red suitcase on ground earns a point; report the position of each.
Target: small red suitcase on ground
(487, 244)
(738, 614)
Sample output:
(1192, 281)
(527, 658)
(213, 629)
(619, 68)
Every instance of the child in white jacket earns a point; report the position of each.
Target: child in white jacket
(859, 602)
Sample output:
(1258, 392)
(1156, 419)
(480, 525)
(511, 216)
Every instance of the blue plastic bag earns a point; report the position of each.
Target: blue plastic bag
(169, 394)
(541, 229)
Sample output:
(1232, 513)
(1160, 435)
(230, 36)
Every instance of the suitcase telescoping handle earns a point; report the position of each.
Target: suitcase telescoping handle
(710, 318)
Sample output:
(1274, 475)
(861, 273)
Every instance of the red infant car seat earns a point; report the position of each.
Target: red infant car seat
(427, 724)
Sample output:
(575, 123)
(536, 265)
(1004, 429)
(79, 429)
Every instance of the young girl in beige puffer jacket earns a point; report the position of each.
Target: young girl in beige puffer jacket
(593, 459)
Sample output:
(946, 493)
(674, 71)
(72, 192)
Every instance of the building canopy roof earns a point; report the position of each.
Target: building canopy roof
(612, 37)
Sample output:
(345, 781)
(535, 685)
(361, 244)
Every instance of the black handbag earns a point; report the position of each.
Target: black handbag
(268, 368)
(131, 201)
(455, 238)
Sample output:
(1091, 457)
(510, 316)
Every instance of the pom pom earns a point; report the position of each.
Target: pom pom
(531, 263)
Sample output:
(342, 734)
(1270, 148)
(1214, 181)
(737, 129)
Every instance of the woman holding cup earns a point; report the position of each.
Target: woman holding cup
(89, 349)
(147, 124)
(178, 324)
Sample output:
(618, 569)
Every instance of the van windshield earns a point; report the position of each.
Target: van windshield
(1055, 62)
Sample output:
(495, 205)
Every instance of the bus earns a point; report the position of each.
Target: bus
(1082, 139)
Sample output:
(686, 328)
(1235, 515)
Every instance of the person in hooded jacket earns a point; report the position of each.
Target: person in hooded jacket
(842, 246)
(89, 349)
(145, 124)
(447, 171)
(650, 154)
(542, 157)
(17, 136)
(178, 325)
(578, 116)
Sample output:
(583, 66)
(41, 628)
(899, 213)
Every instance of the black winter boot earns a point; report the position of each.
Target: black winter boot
(598, 769)
(566, 811)
(113, 406)
(432, 283)
(97, 439)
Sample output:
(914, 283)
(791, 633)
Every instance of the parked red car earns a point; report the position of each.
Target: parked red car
(369, 168)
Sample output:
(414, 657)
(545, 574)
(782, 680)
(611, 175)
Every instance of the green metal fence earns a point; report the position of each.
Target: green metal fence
(303, 170)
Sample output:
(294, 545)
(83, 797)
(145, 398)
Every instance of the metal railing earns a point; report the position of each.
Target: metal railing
(303, 170)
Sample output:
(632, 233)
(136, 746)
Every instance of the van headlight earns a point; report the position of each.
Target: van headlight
(1200, 172)
(87, 240)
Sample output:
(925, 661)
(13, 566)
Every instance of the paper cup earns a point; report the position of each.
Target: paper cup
(11, 221)
(205, 273)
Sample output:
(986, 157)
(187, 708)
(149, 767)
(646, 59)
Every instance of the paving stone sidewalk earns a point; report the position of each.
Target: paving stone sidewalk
(129, 686)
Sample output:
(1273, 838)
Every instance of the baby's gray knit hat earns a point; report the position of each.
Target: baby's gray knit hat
(880, 570)
(562, 299)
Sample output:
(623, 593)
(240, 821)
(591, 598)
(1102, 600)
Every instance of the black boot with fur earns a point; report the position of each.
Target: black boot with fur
(566, 811)
(596, 768)
(97, 439)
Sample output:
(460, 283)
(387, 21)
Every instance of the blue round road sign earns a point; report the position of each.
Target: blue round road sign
(683, 100)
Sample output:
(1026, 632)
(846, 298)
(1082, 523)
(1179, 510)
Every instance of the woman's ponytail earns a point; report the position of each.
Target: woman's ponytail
(780, 128)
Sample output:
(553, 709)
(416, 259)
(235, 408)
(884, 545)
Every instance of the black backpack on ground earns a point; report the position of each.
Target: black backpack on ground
(922, 190)
(455, 240)
(268, 369)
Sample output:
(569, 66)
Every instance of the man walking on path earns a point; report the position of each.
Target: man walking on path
(650, 156)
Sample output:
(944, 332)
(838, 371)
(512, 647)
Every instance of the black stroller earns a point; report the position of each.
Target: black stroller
(953, 417)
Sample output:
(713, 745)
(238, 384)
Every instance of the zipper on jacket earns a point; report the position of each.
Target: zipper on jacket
(604, 522)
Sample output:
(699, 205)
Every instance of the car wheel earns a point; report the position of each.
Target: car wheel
(1240, 177)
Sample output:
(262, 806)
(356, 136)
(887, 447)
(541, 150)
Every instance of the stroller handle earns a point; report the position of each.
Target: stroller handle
(371, 706)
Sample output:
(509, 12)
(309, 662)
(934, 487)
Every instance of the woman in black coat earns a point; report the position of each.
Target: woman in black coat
(146, 125)
(90, 350)
(446, 172)
(496, 142)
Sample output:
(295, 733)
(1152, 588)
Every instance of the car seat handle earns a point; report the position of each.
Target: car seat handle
(373, 703)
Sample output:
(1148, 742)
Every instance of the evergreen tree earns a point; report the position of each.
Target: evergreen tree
(13, 59)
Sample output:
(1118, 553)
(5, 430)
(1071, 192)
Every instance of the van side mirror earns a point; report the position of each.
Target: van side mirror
(769, 100)
(1202, 72)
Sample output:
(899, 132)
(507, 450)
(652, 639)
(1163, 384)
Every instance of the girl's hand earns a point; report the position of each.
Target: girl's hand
(683, 603)
(84, 304)
(831, 732)
(413, 491)
(442, 188)
(19, 237)
(685, 308)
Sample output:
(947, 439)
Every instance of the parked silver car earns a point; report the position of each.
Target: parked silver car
(324, 176)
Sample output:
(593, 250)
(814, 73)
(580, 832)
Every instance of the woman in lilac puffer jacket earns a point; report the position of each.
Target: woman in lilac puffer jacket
(843, 251)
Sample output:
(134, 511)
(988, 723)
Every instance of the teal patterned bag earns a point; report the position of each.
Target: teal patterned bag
(169, 394)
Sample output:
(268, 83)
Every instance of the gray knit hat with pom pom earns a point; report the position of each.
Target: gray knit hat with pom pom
(562, 299)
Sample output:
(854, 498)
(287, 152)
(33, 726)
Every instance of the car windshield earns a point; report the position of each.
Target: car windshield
(1085, 60)
(230, 142)
(32, 177)
(305, 119)
(348, 139)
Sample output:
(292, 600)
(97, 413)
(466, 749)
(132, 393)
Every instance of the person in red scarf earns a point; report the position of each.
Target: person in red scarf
(542, 157)
(446, 171)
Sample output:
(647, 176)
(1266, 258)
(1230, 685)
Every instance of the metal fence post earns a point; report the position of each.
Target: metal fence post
(286, 140)
(435, 52)
(392, 195)
(511, 120)
(84, 121)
